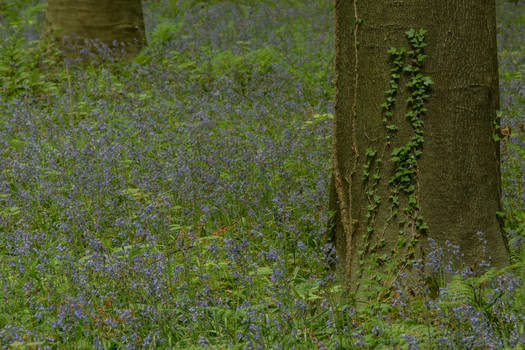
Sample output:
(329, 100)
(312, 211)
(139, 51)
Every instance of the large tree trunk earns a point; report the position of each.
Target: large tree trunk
(454, 182)
(107, 21)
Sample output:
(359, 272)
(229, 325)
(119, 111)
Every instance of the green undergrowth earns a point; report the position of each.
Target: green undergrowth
(180, 200)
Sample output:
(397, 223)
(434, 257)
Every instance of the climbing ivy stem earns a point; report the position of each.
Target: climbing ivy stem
(350, 238)
(404, 184)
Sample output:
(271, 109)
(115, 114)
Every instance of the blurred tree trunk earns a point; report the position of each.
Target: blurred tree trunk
(403, 172)
(110, 21)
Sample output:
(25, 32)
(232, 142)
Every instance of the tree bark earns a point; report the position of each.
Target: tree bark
(453, 186)
(111, 22)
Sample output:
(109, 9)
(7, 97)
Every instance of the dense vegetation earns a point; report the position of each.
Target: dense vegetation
(180, 200)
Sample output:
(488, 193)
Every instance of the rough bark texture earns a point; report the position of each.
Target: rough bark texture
(108, 21)
(457, 184)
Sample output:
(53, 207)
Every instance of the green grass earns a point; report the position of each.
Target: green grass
(180, 200)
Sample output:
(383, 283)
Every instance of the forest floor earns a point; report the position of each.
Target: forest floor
(180, 200)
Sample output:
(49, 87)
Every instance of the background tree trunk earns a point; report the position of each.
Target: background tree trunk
(456, 182)
(109, 21)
